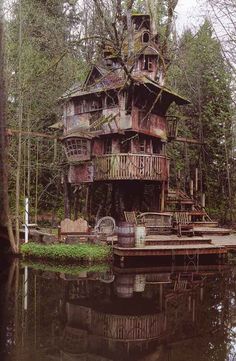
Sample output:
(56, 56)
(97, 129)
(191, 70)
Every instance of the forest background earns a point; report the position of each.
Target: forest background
(49, 45)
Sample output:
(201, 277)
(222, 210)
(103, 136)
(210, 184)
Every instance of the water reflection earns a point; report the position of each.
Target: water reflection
(166, 314)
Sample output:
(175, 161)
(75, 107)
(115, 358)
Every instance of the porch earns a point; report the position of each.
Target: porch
(128, 166)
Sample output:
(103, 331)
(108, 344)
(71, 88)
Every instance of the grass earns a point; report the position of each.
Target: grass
(70, 269)
(66, 252)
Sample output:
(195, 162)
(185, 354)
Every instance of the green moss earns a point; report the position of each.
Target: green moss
(66, 252)
(70, 269)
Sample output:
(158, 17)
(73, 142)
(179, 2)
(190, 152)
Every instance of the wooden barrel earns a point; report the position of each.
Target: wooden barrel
(125, 234)
(125, 286)
(140, 234)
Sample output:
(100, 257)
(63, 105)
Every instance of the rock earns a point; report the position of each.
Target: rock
(49, 239)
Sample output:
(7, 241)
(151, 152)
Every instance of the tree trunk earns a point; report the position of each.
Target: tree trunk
(67, 208)
(5, 214)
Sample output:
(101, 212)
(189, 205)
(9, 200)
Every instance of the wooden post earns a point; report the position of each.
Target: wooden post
(203, 203)
(178, 181)
(196, 180)
(26, 220)
(191, 192)
(87, 200)
(162, 196)
(203, 200)
(67, 209)
(191, 188)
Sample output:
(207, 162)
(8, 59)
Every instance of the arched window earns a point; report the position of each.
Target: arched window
(146, 37)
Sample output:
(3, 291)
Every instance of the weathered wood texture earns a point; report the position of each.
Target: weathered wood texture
(131, 166)
(113, 120)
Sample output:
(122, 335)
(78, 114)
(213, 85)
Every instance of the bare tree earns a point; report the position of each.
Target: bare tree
(223, 14)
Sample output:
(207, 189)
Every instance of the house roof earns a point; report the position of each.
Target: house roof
(78, 134)
(110, 80)
(177, 98)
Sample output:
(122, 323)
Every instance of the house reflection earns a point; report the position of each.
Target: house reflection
(151, 314)
(133, 316)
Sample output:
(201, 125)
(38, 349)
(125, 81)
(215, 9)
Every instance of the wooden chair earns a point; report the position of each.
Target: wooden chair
(182, 223)
(131, 217)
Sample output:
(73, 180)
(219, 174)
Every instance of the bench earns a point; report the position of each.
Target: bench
(73, 231)
(156, 223)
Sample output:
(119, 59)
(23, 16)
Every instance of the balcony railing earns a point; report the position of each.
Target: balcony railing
(129, 166)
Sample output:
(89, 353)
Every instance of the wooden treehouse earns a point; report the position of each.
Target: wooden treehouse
(116, 127)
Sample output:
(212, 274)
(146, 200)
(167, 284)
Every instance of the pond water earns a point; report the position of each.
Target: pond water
(98, 313)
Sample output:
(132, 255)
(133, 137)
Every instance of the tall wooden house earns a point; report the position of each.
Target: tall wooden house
(116, 125)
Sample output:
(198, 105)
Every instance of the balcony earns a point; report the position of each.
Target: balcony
(127, 166)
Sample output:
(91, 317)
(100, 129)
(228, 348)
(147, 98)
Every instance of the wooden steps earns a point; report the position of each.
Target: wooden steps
(216, 231)
(205, 224)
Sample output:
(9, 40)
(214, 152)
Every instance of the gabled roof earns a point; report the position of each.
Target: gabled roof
(104, 80)
(176, 97)
(96, 72)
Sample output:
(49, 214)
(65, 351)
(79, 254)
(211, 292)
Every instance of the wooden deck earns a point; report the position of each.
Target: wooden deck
(229, 242)
(124, 166)
(170, 250)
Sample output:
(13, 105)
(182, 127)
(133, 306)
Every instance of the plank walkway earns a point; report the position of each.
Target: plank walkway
(229, 242)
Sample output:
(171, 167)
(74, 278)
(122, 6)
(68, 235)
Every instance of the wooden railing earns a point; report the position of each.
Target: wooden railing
(124, 166)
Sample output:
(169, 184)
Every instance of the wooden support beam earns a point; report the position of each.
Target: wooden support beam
(10, 132)
(189, 140)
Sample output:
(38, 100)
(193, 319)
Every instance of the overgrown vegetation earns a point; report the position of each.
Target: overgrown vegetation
(70, 269)
(64, 252)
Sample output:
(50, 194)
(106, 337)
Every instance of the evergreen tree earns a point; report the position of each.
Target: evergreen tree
(201, 74)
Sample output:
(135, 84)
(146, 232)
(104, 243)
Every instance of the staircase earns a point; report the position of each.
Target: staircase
(181, 201)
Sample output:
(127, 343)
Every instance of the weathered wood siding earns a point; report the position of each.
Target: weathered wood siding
(150, 123)
(81, 173)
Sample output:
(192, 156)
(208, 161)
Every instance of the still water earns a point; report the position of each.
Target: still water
(98, 313)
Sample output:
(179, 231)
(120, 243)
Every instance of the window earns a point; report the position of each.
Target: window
(83, 106)
(107, 146)
(112, 101)
(146, 37)
(142, 146)
(77, 146)
(95, 104)
(156, 146)
(125, 146)
(78, 107)
(147, 63)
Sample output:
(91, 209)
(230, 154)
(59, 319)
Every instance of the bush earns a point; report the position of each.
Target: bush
(64, 252)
